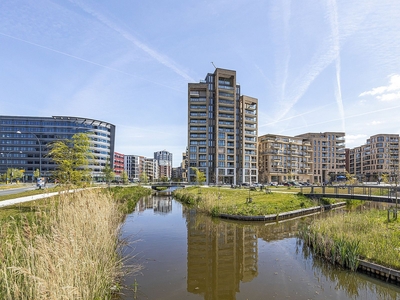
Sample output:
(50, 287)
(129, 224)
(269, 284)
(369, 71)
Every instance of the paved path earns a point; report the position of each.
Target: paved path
(32, 198)
(26, 199)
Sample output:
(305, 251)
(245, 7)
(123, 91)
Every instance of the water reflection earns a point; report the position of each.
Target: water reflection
(220, 255)
(161, 204)
(192, 256)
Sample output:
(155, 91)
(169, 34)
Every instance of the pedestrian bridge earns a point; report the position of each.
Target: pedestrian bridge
(388, 194)
(168, 184)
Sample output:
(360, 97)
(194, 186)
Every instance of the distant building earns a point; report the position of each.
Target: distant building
(184, 165)
(222, 130)
(24, 140)
(134, 165)
(164, 159)
(328, 156)
(284, 158)
(379, 156)
(151, 168)
(118, 165)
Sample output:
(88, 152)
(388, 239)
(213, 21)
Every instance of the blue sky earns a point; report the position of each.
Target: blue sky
(315, 66)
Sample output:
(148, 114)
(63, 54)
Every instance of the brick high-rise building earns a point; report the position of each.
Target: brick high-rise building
(222, 130)
(164, 159)
(328, 155)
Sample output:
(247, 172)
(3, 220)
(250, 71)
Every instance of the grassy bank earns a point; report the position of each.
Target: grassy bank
(215, 201)
(346, 237)
(64, 247)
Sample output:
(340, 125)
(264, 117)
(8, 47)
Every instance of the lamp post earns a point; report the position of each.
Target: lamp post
(40, 151)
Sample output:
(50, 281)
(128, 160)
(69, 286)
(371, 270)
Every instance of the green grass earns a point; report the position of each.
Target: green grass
(234, 201)
(345, 237)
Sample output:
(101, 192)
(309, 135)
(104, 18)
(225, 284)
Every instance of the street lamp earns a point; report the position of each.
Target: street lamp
(40, 151)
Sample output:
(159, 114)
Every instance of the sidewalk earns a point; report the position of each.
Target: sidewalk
(26, 199)
(5, 203)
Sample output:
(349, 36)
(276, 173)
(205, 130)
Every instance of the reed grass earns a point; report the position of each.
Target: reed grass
(67, 251)
(346, 237)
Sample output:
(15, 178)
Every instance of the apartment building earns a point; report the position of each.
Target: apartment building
(164, 159)
(284, 158)
(137, 166)
(118, 165)
(328, 156)
(380, 155)
(222, 130)
(134, 165)
(24, 140)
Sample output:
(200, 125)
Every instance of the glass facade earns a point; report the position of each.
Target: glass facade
(23, 142)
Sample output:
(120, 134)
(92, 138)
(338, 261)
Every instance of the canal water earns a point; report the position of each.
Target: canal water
(185, 255)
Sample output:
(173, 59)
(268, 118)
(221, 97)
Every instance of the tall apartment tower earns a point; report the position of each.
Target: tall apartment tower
(222, 130)
(380, 155)
(164, 159)
(328, 155)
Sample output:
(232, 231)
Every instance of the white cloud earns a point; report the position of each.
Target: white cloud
(376, 122)
(355, 139)
(389, 97)
(388, 92)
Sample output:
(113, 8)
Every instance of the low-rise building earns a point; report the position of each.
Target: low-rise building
(379, 156)
(284, 158)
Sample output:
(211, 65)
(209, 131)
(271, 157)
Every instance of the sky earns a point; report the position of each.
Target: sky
(314, 66)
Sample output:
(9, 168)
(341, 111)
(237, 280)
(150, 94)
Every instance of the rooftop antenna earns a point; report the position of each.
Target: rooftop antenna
(214, 65)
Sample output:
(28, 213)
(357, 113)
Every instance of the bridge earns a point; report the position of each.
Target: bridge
(388, 194)
(168, 184)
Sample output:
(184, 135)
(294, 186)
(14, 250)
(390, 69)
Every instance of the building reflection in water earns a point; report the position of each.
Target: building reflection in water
(161, 204)
(220, 255)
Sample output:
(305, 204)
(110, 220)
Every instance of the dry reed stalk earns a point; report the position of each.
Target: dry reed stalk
(71, 256)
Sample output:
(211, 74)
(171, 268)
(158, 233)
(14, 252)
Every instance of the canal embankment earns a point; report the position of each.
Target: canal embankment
(367, 241)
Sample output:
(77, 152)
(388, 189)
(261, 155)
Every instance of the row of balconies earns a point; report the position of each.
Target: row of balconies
(284, 153)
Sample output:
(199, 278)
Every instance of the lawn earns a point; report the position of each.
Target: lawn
(215, 201)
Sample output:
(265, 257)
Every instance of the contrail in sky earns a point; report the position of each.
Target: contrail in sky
(293, 117)
(333, 16)
(341, 119)
(154, 54)
(86, 60)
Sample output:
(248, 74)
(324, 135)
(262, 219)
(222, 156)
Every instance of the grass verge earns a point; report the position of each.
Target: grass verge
(343, 238)
(215, 201)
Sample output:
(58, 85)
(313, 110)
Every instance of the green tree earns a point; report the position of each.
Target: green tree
(350, 179)
(164, 179)
(200, 176)
(36, 174)
(124, 177)
(72, 158)
(144, 178)
(108, 172)
(385, 178)
(14, 174)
